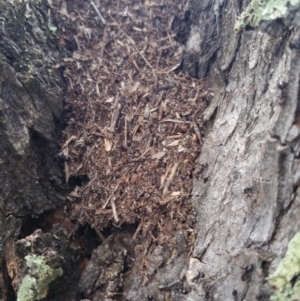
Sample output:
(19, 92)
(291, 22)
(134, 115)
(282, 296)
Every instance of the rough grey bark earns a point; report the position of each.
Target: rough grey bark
(31, 103)
(246, 182)
(31, 179)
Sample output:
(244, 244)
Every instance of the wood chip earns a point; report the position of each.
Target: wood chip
(107, 144)
(159, 155)
(170, 178)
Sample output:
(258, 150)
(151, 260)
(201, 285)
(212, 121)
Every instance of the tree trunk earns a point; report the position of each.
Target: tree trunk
(247, 176)
(32, 180)
(245, 189)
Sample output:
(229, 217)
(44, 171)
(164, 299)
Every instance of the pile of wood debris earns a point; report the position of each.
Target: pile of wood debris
(134, 120)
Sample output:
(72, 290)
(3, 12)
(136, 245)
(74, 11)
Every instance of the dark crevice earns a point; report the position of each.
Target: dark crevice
(30, 224)
(8, 291)
(182, 28)
(80, 180)
(265, 268)
(49, 171)
(80, 234)
(112, 230)
(84, 235)
(297, 114)
(87, 239)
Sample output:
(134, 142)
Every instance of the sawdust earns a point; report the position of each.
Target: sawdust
(134, 120)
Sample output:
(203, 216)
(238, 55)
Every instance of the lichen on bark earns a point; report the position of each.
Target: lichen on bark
(285, 280)
(263, 10)
(35, 283)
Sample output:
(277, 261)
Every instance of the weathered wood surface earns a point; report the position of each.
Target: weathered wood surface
(31, 179)
(246, 182)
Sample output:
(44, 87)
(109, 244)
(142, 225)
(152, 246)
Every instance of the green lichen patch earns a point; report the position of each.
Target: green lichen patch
(263, 10)
(286, 279)
(35, 283)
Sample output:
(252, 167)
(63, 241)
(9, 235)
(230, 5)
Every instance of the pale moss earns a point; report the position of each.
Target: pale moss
(263, 10)
(286, 279)
(35, 283)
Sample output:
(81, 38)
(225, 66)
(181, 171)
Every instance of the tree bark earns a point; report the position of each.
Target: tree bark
(246, 179)
(31, 91)
(246, 182)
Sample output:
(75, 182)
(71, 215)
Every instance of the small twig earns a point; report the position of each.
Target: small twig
(170, 178)
(136, 66)
(115, 117)
(171, 41)
(174, 120)
(68, 141)
(77, 42)
(114, 210)
(197, 131)
(97, 12)
(137, 126)
(174, 129)
(168, 200)
(125, 138)
(148, 141)
(109, 294)
(163, 178)
(167, 37)
(143, 154)
(103, 211)
(174, 136)
(104, 206)
(138, 229)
